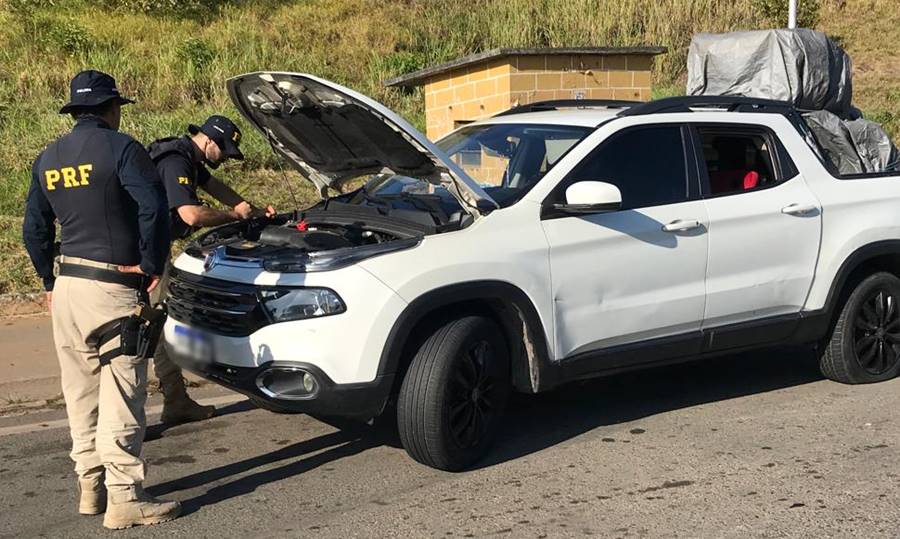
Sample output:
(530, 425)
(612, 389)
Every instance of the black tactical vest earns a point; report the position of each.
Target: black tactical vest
(160, 148)
(78, 175)
(181, 147)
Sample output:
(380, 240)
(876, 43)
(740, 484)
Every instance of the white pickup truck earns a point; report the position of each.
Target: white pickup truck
(556, 241)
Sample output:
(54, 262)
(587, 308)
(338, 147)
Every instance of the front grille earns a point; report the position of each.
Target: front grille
(222, 307)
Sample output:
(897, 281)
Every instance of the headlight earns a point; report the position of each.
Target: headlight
(300, 303)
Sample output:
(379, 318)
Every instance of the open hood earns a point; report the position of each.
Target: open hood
(332, 134)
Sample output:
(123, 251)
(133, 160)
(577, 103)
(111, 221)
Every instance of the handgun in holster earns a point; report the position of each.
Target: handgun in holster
(139, 333)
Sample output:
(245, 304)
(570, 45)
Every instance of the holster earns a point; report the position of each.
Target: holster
(138, 333)
(152, 321)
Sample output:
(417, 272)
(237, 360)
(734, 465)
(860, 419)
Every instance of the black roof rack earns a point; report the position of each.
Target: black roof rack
(540, 106)
(729, 103)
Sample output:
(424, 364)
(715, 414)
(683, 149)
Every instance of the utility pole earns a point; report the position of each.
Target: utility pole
(792, 13)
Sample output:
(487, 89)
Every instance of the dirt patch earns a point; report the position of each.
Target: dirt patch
(16, 305)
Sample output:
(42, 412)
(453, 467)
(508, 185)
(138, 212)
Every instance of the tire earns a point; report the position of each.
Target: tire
(865, 344)
(454, 394)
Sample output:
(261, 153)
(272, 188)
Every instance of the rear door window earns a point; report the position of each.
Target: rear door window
(737, 159)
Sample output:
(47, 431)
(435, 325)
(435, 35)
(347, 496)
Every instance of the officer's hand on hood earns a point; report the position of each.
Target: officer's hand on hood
(269, 211)
(244, 210)
(247, 211)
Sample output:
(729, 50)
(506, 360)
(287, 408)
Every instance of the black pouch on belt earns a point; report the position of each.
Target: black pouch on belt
(152, 320)
(129, 335)
(139, 333)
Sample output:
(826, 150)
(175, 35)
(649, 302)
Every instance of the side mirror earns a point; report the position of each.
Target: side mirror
(590, 197)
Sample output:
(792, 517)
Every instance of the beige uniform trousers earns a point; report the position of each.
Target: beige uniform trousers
(105, 404)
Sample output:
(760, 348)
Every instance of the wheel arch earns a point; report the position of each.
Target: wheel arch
(503, 302)
(883, 255)
(877, 256)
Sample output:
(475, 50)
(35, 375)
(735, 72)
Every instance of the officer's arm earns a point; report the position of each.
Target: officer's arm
(38, 231)
(138, 176)
(196, 215)
(175, 173)
(220, 191)
(226, 195)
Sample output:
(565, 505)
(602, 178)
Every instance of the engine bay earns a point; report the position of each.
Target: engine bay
(324, 227)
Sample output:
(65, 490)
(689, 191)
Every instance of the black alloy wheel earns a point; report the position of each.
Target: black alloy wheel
(877, 333)
(864, 345)
(473, 404)
(454, 393)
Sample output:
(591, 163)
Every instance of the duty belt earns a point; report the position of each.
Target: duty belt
(131, 280)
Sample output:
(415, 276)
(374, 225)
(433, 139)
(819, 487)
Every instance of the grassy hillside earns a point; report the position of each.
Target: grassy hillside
(172, 56)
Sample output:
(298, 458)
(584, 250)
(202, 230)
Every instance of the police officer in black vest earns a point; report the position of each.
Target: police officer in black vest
(103, 189)
(182, 164)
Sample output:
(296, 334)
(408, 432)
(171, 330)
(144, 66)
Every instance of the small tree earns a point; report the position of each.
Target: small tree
(776, 12)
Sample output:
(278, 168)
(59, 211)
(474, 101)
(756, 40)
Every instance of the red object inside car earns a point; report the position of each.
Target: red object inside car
(751, 180)
(726, 181)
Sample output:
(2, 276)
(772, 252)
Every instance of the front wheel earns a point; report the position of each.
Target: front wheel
(454, 394)
(865, 343)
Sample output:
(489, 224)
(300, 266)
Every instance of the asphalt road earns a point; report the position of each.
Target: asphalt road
(744, 446)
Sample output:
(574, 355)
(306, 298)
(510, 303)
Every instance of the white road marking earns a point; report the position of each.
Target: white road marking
(153, 410)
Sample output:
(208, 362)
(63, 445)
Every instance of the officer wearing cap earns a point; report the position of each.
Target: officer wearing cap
(182, 164)
(103, 190)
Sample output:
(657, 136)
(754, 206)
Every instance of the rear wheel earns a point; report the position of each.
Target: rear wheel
(454, 394)
(865, 344)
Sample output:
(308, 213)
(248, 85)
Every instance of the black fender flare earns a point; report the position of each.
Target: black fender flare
(856, 259)
(816, 325)
(467, 292)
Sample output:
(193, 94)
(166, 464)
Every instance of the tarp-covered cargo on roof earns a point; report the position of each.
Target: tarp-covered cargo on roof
(803, 67)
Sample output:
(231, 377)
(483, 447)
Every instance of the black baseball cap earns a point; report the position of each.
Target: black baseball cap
(92, 88)
(223, 132)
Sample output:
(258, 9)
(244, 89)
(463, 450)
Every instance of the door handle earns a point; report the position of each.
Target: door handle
(681, 225)
(798, 209)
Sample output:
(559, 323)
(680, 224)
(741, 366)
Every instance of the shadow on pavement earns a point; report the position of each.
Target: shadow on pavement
(156, 431)
(338, 445)
(536, 422)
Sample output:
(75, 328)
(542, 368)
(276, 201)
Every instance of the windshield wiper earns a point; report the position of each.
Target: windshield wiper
(375, 200)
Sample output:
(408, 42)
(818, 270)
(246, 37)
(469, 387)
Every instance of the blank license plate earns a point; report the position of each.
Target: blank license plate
(193, 344)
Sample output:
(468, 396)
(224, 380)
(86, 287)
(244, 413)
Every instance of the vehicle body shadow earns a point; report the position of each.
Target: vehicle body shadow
(533, 422)
(536, 422)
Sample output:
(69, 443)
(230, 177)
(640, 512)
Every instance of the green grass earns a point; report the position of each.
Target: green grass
(174, 56)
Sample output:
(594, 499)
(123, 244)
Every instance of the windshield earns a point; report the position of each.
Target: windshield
(509, 159)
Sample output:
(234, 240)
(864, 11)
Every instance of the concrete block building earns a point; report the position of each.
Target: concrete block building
(483, 84)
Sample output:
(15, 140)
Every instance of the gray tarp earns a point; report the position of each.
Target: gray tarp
(875, 148)
(853, 146)
(802, 66)
(835, 141)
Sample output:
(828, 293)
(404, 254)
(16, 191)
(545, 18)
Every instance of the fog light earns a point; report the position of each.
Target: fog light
(287, 383)
(309, 383)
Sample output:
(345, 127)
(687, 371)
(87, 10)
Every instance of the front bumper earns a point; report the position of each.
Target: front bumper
(361, 401)
(342, 351)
